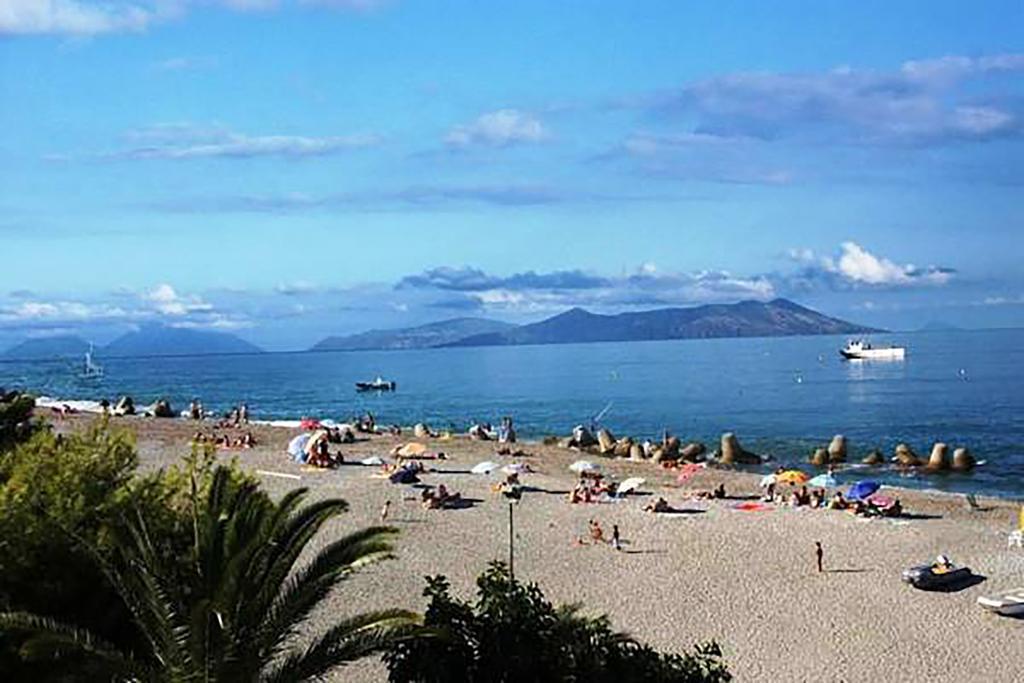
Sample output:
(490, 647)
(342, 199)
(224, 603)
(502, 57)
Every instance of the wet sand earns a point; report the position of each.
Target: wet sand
(745, 579)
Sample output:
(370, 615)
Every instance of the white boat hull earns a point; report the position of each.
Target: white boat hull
(1008, 605)
(875, 354)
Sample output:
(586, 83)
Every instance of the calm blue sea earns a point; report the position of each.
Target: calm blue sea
(781, 396)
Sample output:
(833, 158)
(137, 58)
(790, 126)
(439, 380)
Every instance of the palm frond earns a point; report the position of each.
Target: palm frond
(306, 588)
(347, 641)
(53, 640)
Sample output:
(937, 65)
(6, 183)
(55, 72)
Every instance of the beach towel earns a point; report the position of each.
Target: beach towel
(752, 506)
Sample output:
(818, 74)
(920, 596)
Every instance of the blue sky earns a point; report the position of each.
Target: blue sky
(286, 169)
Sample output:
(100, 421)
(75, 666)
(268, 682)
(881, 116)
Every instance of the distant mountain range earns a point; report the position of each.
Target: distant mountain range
(150, 340)
(63, 346)
(422, 337)
(745, 319)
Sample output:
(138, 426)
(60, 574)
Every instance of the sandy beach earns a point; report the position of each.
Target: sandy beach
(745, 579)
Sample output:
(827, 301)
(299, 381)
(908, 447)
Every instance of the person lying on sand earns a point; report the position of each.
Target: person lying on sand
(441, 498)
(717, 493)
(660, 505)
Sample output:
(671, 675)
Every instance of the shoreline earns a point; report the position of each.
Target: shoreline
(94, 408)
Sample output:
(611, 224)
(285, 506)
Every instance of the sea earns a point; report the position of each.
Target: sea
(782, 396)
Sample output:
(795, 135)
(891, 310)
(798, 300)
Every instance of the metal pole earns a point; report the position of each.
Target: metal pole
(511, 545)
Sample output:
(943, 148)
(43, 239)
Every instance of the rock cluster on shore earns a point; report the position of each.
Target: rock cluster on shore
(903, 456)
(670, 450)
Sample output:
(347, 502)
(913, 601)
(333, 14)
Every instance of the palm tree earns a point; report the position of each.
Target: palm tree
(234, 610)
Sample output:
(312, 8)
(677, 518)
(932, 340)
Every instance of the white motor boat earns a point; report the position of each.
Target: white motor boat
(1008, 604)
(858, 349)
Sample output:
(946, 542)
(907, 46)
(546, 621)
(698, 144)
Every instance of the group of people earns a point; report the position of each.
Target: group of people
(236, 417)
(246, 440)
(591, 487)
(818, 498)
(483, 431)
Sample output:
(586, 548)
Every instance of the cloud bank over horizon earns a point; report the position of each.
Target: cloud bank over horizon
(321, 309)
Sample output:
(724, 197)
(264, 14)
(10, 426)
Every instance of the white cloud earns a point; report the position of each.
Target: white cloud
(500, 128)
(296, 288)
(936, 101)
(167, 301)
(97, 17)
(48, 311)
(856, 266)
(220, 143)
(185, 63)
(73, 17)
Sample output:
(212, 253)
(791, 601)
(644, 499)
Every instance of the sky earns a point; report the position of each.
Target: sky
(289, 169)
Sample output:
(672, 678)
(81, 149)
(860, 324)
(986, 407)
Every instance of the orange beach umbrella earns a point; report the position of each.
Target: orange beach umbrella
(792, 477)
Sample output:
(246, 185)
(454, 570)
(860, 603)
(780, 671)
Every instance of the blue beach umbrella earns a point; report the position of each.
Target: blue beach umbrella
(862, 489)
(824, 481)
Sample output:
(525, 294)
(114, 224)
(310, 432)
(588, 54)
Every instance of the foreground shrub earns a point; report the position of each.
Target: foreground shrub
(186, 575)
(511, 633)
(16, 423)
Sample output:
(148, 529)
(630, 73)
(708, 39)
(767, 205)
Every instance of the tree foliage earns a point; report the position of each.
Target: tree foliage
(189, 574)
(512, 633)
(16, 423)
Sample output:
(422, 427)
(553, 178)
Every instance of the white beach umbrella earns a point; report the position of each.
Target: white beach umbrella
(581, 466)
(631, 484)
(485, 467)
(767, 480)
(297, 445)
(372, 460)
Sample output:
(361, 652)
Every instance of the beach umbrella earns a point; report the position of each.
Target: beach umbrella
(485, 467)
(767, 480)
(516, 468)
(372, 460)
(631, 484)
(824, 481)
(581, 466)
(880, 501)
(411, 450)
(297, 446)
(792, 477)
(862, 489)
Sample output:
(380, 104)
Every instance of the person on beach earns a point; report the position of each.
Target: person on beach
(243, 414)
(596, 532)
(384, 510)
(820, 553)
(616, 541)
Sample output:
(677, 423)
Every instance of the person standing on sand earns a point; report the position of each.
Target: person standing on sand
(616, 543)
(384, 510)
(820, 554)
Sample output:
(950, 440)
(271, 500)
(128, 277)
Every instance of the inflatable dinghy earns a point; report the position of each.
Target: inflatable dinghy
(933, 577)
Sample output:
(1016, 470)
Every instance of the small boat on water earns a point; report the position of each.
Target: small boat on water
(1007, 604)
(858, 349)
(379, 384)
(90, 368)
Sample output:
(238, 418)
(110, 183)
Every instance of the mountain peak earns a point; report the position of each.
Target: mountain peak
(750, 318)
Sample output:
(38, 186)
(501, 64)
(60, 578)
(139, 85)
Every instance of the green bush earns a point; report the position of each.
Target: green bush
(16, 423)
(512, 633)
(63, 500)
